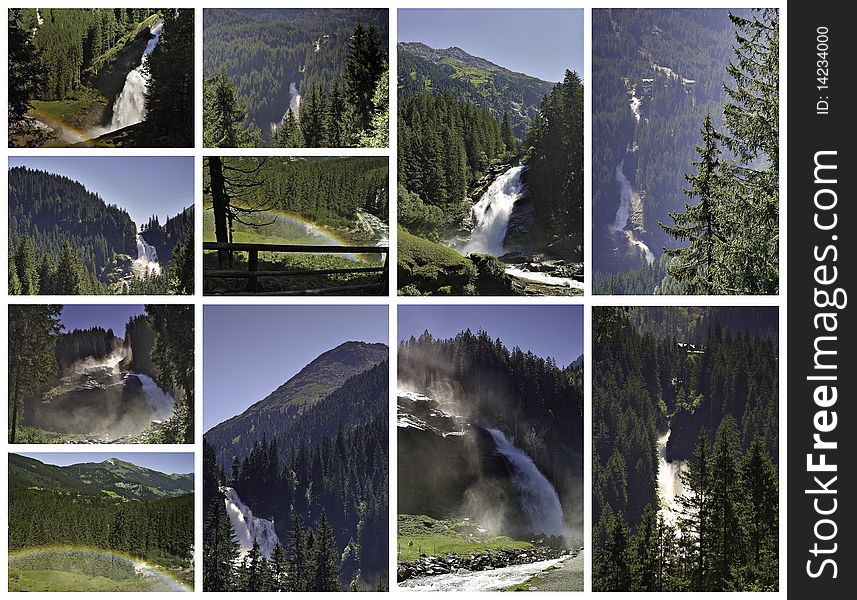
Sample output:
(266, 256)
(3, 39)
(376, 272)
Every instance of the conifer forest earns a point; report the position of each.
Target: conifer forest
(685, 151)
(296, 78)
(685, 449)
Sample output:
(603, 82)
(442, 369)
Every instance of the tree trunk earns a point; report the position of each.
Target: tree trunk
(15, 409)
(220, 204)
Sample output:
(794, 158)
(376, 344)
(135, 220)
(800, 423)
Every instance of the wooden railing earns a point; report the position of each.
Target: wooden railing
(252, 274)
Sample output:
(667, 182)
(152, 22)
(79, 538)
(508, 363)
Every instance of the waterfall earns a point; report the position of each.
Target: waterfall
(162, 403)
(247, 527)
(147, 259)
(669, 481)
(623, 213)
(491, 214)
(294, 98)
(539, 499)
(129, 107)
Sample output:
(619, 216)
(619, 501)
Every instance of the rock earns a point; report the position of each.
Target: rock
(518, 237)
(515, 258)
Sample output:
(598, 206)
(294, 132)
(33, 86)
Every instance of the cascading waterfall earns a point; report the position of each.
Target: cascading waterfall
(539, 499)
(129, 107)
(491, 214)
(623, 213)
(669, 481)
(147, 259)
(162, 403)
(294, 98)
(247, 527)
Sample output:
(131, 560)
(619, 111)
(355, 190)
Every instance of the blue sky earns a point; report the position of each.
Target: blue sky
(545, 330)
(109, 316)
(540, 42)
(249, 351)
(165, 462)
(142, 185)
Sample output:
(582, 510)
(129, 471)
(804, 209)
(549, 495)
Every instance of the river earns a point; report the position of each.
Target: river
(478, 581)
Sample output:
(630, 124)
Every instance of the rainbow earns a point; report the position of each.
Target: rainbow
(72, 136)
(164, 581)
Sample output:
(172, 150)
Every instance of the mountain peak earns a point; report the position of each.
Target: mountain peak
(325, 373)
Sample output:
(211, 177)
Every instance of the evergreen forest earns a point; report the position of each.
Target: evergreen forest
(686, 151)
(463, 122)
(68, 70)
(685, 449)
(296, 78)
(67, 240)
(311, 459)
(65, 508)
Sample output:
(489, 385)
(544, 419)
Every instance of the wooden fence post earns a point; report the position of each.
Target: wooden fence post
(253, 266)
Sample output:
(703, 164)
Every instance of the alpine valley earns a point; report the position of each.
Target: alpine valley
(65, 239)
(490, 198)
(295, 487)
(109, 525)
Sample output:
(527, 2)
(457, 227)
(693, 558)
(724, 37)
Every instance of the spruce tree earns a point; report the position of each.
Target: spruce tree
(25, 72)
(289, 133)
(702, 265)
(33, 332)
(726, 542)
(364, 65)
(298, 564)
(508, 134)
(220, 549)
(71, 277)
(326, 559)
(695, 508)
(225, 114)
(312, 118)
(25, 265)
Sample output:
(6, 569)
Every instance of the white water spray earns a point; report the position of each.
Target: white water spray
(539, 499)
(147, 259)
(491, 214)
(247, 527)
(162, 404)
(669, 481)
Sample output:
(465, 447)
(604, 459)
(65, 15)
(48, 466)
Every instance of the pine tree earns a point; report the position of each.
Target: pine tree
(702, 265)
(225, 114)
(70, 278)
(509, 138)
(726, 542)
(378, 135)
(25, 73)
(279, 569)
(615, 555)
(326, 559)
(220, 549)
(312, 119)
(25, 266)
(364, 65)
(298, 563)
(695, 510)
(33, 331)
(645, 553)
(252, 579)
(289, 133)
(334, 119)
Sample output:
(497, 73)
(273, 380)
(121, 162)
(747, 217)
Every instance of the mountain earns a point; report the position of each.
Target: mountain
(423, 69)
(113, 477)
(274, 416)
(53, 209)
